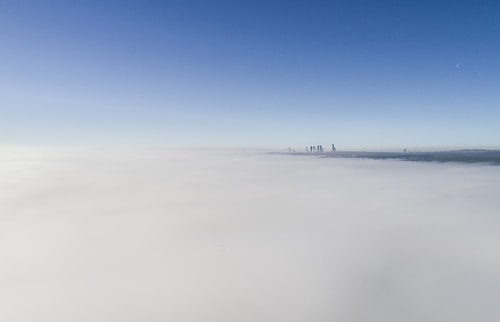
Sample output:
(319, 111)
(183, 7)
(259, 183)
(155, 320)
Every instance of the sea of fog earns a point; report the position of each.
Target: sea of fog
(134, 235)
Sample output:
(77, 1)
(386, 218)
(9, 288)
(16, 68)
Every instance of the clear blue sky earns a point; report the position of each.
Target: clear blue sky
(361, 74)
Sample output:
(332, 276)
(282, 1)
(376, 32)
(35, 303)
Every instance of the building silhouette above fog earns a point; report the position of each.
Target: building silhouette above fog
(315, 149)
(318, 148)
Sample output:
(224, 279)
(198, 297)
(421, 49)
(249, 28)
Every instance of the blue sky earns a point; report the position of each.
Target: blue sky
(361, 74)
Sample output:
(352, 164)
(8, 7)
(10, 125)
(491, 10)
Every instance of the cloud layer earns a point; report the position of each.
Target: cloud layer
(155, 235)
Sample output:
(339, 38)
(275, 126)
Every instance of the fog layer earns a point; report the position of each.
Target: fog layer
(118, 235)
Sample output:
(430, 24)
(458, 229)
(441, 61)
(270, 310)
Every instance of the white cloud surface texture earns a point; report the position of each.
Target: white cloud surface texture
(129, 235)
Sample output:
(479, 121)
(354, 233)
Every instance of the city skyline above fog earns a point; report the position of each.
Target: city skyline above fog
(359, 74)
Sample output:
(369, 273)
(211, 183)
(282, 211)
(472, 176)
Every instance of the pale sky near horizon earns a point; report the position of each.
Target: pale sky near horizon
(360, 74)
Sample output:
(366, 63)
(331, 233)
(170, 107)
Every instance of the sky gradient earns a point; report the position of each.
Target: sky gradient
(360, 74)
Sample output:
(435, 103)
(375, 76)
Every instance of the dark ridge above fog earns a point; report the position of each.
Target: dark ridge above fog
(462, 156)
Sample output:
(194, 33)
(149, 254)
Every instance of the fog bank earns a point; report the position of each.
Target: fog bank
(119, 235)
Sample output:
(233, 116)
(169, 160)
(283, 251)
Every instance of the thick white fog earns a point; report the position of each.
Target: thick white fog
(133, 235)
